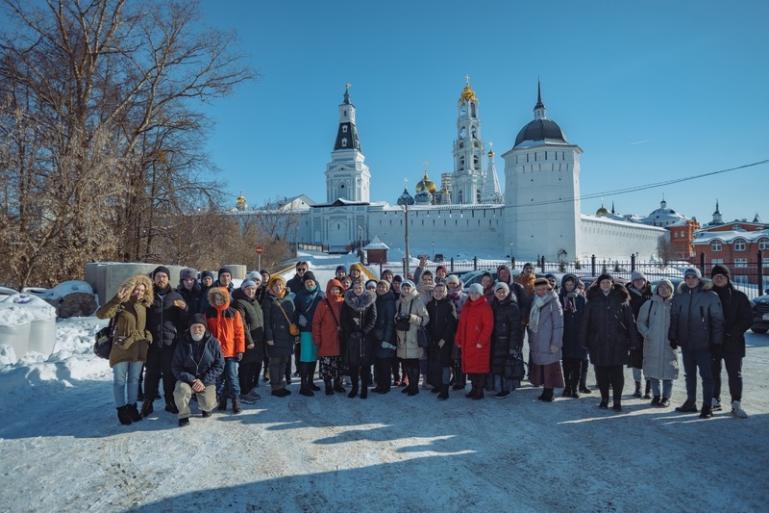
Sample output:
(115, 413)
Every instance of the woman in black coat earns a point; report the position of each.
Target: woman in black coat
(440, 329)
(608, 333)
(384, 337)
(573, 352)
(506, 343)
(358, 319)
(253, 321)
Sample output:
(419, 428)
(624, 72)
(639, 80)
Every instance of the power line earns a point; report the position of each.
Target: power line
(644, 187)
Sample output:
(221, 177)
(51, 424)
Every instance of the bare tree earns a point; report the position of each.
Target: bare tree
(100, 140)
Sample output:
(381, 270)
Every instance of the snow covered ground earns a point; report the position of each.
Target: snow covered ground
(62, 450)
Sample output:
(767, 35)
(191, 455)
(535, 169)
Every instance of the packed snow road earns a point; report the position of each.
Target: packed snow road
(62, 450)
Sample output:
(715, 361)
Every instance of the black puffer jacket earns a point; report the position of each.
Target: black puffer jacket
(201, 360)
(384, 329)
(738, 318)
(442, 326)
(357, 320)
(608, 331)
(164, 320)
(253, 325)
(193, 298)
(506, 341)
(637, 298)
(276, 325)
(696, 317)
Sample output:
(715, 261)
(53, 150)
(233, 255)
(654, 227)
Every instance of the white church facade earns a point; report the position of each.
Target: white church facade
(537, 214)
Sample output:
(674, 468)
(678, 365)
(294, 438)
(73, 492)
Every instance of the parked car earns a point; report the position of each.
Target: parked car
(760, 314)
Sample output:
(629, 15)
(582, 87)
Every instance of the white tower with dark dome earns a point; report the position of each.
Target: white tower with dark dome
(542, 214)
(347, 175)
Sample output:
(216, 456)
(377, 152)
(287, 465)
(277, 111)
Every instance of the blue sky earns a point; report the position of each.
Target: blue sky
(650, 90)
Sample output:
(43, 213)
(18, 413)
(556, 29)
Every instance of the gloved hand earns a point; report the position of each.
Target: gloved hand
(270, 342)
(415, 319)
(441, 343)
(387, 345)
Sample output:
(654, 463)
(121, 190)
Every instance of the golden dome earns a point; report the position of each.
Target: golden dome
(602, 212)
(240, 202)
(468, 95)
(425, 184)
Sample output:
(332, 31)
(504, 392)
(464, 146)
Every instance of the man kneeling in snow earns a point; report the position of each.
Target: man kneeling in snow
(197, 362)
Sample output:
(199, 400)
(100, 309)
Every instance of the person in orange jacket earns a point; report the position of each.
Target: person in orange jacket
(225, 324)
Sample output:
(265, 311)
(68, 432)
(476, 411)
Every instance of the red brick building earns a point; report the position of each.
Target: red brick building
(738, 249)
(682, 237)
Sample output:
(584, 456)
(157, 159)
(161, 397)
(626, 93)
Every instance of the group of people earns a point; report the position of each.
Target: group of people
(209, 340)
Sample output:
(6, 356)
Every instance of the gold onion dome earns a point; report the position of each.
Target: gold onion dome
(425, 184)
(602, 212)
(240, 202)
(468, 95)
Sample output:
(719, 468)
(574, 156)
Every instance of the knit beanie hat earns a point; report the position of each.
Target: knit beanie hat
(692, 271)
(408, 283)
(224, 270)
(720, 269)
(397, 279)
(604, 276)
(247, 283)
(637, 275)
(453, 278)
(371, 282)
(308, 276)
(502, 285)
(198, 318)
(664, 281)
(476, 288)
(161, 269)
(206, 274)
(254, 275)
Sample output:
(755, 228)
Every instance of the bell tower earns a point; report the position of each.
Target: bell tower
(347, 175)
(467, 179)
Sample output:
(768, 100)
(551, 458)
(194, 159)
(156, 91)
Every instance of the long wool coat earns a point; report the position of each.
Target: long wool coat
(408, 341)
(476, 323)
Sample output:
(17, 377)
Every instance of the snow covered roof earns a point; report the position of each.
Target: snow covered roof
(376, 243)
(703, 237)
(339, 202)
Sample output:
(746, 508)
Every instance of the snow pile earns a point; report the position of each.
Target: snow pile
(20, 309)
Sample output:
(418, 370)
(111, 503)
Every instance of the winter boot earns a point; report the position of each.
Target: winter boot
(222, 403)
(171, 406)
(648, 392)
(503, 393)
(637, 392)
(305, 389)
(547, 395)
(706, 412)
(574, 394)
(664, 402)
(147, 408)
(329, 387)
(205, 414)
(687, 407)
(604, 404)
(281, 392)
(364, 392)
(617, 406)
(478, 393)
(444, 393)
(353, 391)
(338, 386)
(123, 416)
(655, 401)
(715, 405)
(737, 410)
(184, 422)
(133, 413)
(236, 405)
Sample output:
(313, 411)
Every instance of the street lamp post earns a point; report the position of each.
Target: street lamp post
(405, 200)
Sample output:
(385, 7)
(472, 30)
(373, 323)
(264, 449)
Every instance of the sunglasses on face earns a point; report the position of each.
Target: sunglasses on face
(301, 269)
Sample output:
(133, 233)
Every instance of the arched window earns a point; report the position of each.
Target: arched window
(344, 142)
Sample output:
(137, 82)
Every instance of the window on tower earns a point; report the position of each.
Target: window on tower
(344, 129)
(472, 110)
(344, 142)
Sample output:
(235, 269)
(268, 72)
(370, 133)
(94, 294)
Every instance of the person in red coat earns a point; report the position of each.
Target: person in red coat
(325, 336)
(226, 325)
(476, 322)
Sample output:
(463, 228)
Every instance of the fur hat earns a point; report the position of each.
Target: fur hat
(720, 269)
(247, 283)
(476, 288)
(692, 271)
(637, 275)
(453, 278)
(187, 273)
(370, 282)
(385, 283)
(161, 269)
(541, 281)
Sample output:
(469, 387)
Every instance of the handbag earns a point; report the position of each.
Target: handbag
(402, 323)
(423, 339)
(105, 337)
(293, 329)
